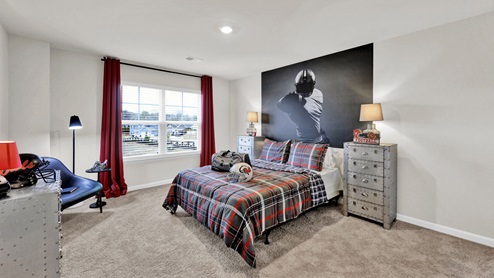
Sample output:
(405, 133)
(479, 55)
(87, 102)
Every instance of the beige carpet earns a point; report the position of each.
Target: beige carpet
(136, 237)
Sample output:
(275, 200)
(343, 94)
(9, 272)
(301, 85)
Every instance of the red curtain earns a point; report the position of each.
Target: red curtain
(111, 131)
(207, 132)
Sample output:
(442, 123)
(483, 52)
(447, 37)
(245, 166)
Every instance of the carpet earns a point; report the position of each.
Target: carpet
(136, 237)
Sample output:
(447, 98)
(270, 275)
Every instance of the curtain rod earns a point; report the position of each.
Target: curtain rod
(150, 68)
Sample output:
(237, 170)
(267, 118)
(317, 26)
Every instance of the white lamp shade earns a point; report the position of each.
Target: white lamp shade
(252, 117)
(371, 112)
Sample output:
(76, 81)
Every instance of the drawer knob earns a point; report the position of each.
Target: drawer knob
(365, 167)
(365, 194)
(355, 190)
(365, 180)
(365, 208)
(365, 153)
(354, 176)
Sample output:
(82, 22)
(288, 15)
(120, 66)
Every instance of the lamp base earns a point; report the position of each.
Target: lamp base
(251, 130)
(371, 128)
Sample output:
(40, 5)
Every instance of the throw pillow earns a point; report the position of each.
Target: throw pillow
(275, 151)
(307, 155)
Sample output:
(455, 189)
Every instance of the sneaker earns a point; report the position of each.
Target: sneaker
(98, 166)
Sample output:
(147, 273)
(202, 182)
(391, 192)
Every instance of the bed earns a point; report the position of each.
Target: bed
(239, 212)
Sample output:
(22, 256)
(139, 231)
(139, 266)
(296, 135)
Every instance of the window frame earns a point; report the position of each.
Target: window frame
(162, 122)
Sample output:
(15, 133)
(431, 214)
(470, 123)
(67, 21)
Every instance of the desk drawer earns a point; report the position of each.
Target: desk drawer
(367, 195)
(366, 167)
(366, 153)
(365, 209)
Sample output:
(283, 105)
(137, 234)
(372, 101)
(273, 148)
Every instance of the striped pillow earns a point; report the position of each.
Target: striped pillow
(275, 151)
(306, 155)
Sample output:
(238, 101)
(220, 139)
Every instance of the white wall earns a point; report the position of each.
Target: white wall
(436, 88)
(76, 82)
(76, 89)
(151, 172)
(245, 96)
(4, 85)
(29, 95)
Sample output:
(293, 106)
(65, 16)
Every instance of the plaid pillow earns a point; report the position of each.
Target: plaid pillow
(306, 155)
(275, 151)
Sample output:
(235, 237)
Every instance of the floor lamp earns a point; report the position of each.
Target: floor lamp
(74, 124)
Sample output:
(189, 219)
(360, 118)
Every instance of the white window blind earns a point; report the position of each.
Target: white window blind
(158, 121)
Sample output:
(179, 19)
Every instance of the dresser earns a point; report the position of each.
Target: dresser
(250, 145)
(370, 181)
(30, 231)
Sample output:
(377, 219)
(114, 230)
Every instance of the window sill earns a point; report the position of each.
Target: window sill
(153, 157)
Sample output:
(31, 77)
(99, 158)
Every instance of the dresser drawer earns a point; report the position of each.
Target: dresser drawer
(366, 167)
(364, 194)
(367, 181)
(365, 209)
(245, 140)
(366, 153)
(245, 149)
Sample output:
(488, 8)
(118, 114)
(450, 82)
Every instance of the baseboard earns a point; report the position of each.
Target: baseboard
(148, 185)
(447, 230)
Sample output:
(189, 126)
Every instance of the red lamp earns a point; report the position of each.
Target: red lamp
(9, 157)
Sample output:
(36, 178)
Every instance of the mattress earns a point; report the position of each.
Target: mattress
(333, 182)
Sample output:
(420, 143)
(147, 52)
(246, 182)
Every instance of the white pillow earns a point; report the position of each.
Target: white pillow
(334, 159)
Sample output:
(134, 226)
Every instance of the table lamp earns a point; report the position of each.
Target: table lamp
(371, 112)
(74, 124)
(9, 162)
(252, 118)
(9, 157)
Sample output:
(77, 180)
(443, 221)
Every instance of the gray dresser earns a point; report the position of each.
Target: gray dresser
(370, 181)
(250, 145)
(30, 231)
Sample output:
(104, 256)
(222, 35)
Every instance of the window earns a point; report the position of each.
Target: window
(159, 121)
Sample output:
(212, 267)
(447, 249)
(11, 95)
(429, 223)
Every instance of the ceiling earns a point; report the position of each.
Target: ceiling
(267, 34)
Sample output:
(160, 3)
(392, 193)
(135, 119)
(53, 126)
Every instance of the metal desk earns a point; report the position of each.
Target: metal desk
(30, 231)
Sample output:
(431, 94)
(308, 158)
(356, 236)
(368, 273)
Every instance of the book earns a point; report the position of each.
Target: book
(68, 190)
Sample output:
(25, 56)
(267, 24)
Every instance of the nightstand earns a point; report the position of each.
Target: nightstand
(370, 173)
(250, 145)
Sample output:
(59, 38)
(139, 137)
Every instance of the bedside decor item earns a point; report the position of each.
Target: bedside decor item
(252, 118)
(369, 112)
(74, 124)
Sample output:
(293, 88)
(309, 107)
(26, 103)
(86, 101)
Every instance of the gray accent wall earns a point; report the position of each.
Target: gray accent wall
(436, 87)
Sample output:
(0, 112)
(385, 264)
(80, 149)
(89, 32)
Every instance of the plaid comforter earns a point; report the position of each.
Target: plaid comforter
(240, 212)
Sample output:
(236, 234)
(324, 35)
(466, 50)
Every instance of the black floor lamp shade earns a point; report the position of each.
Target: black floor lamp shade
(74, 124)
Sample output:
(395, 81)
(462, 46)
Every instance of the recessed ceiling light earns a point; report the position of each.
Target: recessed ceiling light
(194, 59)
(226, 29)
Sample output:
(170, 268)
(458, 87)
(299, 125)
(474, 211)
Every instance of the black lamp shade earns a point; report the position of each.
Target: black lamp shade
(75, 123)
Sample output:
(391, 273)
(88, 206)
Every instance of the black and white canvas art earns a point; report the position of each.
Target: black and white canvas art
(318, 100)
